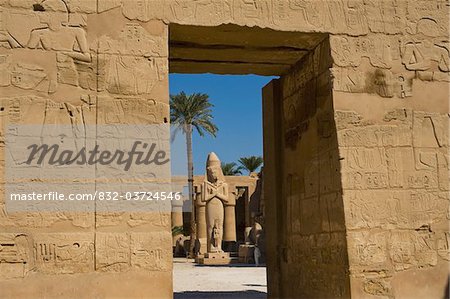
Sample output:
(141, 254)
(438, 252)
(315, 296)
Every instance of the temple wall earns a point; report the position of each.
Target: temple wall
(121, 78)
(391, 101)
(394, 164)
(314, 249)
(365, 176)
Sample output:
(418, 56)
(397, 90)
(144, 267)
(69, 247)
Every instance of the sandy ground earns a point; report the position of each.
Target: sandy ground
(218, 282)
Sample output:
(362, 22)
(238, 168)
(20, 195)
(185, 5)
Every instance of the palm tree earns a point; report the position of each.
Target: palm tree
(231, 168)
(251, 163)
(188, 112)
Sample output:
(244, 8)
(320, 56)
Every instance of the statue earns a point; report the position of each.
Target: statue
(216, 240)
(215, 196)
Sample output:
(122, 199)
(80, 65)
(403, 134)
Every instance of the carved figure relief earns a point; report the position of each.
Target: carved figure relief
(56, 35)
(130, 75)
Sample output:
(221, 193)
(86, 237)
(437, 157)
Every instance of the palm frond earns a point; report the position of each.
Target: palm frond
(251, 163)
(231, 168)
(194, 110)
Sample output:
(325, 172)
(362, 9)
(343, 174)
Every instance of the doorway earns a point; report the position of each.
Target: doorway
(304, 223)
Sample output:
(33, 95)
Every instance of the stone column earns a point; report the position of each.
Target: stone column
(177, 213)
(229, 230)
(229, 224)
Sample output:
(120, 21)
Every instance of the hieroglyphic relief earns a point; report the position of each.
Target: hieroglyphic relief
(443, 245)
(370, 65)
(422, 52)
(387, 252)
(326, 254)
(369, 250)
(130, 75)
(134, 40)
(385, 16)
(181, 10)
(16, 256)
(350, 17)
(401, 225)
(131, 110)
(430, 130)
(112, 252)
(412, 170)
(69, 42)
(64, 252)
(24, 76)
(117, 252)
(46, 253)
(132, 64)
(303, 88)
(157, 220)
(52, 26)
(36, 110)
(409, 201)
(364, 168)
(148, 252)
(408, 250)
(349, 51)
(376, 136)
(427, 51)
(399, 209)
(43, 219)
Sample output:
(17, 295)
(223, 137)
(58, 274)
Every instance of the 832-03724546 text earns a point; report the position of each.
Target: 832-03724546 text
(97, 195)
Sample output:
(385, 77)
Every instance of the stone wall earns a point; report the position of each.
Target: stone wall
(390, 94)
(373, 152)
(394, 163)
(314, 250)
(85, 69)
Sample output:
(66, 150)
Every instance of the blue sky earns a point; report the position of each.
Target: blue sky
(237, 113)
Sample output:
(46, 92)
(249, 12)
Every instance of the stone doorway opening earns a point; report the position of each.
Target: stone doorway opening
(302, 93)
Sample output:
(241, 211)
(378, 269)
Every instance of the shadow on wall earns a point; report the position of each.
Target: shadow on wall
(306, 232)
(221, 295)
(447, 293)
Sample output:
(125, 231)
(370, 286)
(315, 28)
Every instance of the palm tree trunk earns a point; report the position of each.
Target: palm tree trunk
(191, 189)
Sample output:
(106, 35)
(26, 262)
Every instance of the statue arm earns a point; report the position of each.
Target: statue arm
(223, 195)
(211, 196)
(205, 196)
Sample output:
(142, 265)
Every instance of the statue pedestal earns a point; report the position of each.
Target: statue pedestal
(215, 258)
(246, 254)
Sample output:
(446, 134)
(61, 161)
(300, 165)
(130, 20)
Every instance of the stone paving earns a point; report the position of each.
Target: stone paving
(218, 282)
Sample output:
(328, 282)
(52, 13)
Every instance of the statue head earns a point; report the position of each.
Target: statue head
(213, 169)
(53, 13)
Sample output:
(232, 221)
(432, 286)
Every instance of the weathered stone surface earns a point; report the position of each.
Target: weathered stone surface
(119, 252)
